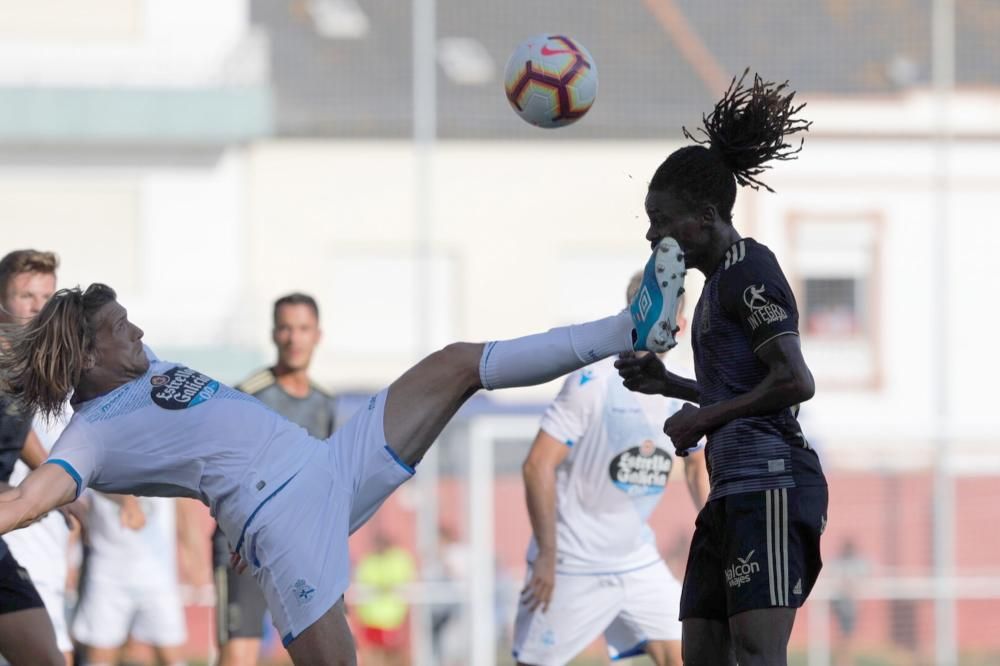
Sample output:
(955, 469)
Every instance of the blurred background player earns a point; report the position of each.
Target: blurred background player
(382, 611)
(27, 281)
(287, 389)
(130, 586)
(596, 471)
(755, 551)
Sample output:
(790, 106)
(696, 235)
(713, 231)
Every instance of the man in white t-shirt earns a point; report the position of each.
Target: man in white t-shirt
(285, 500)
(131, 586)
(596, 471)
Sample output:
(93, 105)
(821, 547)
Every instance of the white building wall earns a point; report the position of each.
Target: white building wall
(120, 43)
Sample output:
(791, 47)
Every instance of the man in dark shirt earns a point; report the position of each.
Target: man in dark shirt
(27, 635)
(755, 552)
(287, 389)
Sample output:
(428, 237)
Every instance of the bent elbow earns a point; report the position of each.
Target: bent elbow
(807, 387)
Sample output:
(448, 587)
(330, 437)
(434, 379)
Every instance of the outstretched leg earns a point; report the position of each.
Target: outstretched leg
(426, 397)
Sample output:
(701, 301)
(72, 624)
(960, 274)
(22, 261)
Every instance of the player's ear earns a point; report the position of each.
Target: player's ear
(709, 215)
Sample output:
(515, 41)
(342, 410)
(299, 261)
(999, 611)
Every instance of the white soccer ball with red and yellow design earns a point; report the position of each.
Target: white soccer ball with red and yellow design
(551, 80)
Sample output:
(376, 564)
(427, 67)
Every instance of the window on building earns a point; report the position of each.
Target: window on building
(836, 271)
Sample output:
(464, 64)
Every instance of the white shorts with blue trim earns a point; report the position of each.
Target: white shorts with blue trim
(295, 543)
(630, 608)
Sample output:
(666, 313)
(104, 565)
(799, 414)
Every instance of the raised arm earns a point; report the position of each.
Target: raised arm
(539, 471)
(44, 489)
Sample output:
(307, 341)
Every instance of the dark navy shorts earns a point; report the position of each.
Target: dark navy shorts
(754, 550)
(17, 592)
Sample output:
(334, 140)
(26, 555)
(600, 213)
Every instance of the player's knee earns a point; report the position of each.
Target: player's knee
(753, 650)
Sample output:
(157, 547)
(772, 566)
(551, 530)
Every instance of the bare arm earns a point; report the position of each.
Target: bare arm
(788, 382)
(539, 471)
(44, 489)
(696, 476)
(130, 512)
(33, 453)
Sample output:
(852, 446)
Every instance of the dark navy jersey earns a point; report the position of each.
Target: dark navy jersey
(746, 303)
(14, 428)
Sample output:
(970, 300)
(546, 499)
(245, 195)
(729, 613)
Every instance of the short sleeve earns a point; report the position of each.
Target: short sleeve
(567, 417)
(78, 452)
(755, 293)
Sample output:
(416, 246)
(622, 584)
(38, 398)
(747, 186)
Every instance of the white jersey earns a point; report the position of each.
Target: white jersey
(174, 432)
(614, 475)
(135, 558)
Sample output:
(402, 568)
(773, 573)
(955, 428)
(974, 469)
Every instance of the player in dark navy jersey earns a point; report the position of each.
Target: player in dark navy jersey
(755, 552)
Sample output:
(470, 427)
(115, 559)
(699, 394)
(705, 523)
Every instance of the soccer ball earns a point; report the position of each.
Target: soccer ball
(551, 80)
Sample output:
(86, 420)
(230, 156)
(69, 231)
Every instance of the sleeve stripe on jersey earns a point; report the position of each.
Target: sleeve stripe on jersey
(776, 335)
(69, 469)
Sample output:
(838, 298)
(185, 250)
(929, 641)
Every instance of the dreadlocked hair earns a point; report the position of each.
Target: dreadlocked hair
(745, 131)
(42, 361)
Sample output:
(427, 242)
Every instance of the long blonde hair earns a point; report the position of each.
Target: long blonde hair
(42, 361)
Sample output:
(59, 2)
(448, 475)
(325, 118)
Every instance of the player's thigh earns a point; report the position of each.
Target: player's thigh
(104, 614)
(327, 642)
(159, 618)
(580, 609)
(296, 549)
(27, 638)
(760, 637)
(706, 643)
(651, 608)
(425, 397)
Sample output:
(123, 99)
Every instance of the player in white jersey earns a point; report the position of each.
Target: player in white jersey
(596, 471)
(286, 501)
(131, 586)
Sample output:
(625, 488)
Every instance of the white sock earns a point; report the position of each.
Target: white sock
(536, 359)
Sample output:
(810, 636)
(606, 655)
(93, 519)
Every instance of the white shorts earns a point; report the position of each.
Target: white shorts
(296, 542)
(109, 612)
(629, 608)
(53, 593)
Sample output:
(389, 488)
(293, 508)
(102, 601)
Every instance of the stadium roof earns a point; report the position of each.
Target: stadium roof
(343, 67)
